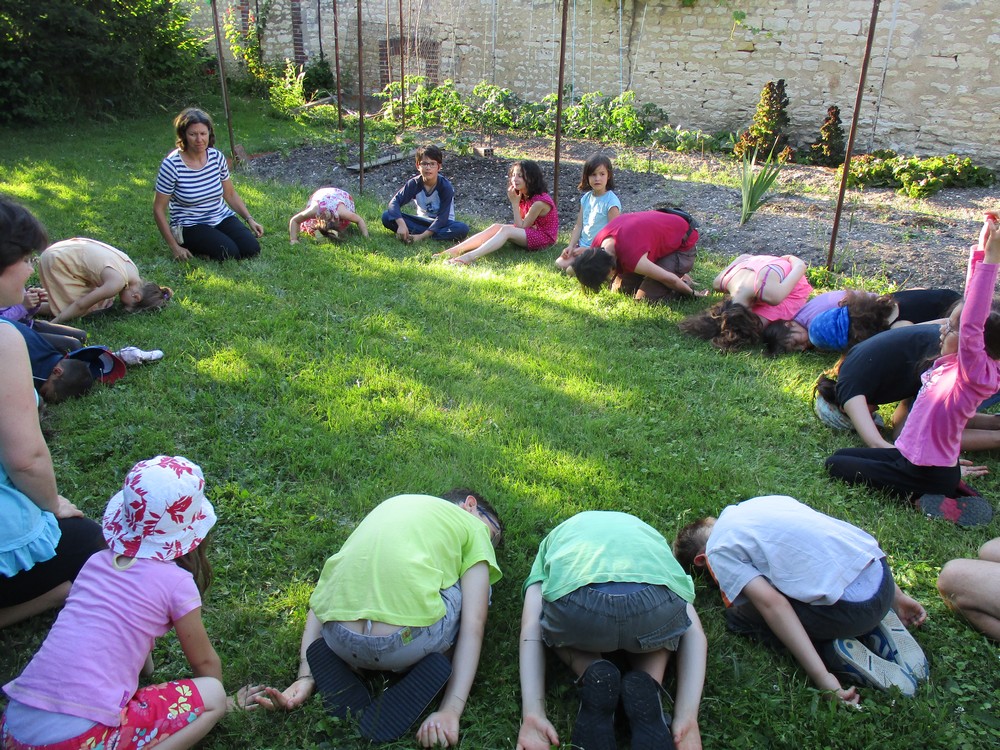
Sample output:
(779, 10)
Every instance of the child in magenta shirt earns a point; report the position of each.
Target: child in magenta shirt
(925, 459)
(536, 221)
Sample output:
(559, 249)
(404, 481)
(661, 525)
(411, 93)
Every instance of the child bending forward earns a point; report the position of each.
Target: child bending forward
(604, 582)
(821, 587)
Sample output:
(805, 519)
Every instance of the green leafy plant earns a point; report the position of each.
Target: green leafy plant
(248, 51)
(828, 151)
(754, 183)
(286, 92)
(67, 60)
(318, 79)
(916, 177)
(770, 121)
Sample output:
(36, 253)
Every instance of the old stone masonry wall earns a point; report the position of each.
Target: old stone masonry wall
(933, 83)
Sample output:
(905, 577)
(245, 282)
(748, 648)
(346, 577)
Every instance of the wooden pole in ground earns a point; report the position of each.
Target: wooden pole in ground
(559, 103)
(361, 107)
(336, 64)
(402, 65)
(850, 138)
(222, 82)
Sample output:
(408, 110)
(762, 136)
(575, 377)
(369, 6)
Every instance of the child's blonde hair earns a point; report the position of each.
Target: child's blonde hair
(154, 297)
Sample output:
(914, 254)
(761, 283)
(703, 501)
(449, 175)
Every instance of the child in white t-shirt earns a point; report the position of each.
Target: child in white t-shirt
(790, 575)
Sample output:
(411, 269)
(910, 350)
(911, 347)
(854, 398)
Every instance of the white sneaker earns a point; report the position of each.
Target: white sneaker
(853, 658)
(892, 641)
(133, 355)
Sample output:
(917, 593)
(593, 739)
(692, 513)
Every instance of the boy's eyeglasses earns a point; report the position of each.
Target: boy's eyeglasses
(428, 164)
(494, 538)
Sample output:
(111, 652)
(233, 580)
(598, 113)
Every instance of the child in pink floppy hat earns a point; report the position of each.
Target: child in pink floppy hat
(82, 687)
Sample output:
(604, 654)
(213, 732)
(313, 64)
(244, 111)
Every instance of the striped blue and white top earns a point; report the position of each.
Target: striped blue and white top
(195, 194)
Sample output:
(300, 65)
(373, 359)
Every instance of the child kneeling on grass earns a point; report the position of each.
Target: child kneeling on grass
(410, 585)
(604, 582)
(821, 587)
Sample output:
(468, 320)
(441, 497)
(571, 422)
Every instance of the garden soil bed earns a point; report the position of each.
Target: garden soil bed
(912, 243)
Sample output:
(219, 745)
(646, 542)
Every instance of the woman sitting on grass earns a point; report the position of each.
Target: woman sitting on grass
(760, 289)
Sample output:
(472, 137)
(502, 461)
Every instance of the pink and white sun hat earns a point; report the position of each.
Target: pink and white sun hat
(162, 512)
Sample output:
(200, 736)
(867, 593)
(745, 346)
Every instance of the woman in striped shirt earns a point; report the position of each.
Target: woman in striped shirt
(194, 183)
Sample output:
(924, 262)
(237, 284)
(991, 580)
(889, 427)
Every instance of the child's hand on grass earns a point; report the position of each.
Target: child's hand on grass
(537, 733)
(440, 729)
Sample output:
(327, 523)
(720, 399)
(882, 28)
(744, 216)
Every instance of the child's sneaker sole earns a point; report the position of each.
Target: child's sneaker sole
(962, 511)
(852, 658)
(893, 642)
(599, 687)
(641, 699)
(392, 714)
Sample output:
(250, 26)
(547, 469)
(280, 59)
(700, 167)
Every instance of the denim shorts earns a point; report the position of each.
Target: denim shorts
(645, 619)
(404, 648)
(841, 619)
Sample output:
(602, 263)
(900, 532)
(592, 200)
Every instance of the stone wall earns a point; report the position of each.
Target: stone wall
(933, 83)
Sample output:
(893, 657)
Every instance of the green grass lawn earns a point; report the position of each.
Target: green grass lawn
(318, 380)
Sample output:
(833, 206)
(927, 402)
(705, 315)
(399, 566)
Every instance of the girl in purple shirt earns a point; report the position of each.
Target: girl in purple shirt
(925, 459)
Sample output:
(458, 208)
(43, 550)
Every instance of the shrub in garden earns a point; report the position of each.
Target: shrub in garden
(60, 59)
(318, 79)
(256, 75)
(754, 183)
(829, 150)
(770, 122)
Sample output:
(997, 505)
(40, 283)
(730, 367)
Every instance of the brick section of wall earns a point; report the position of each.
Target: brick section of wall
(298, 47)
(426, 62)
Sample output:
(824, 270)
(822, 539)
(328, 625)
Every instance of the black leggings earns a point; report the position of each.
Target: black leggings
(229, 238)
(81, 537)
(887, 469)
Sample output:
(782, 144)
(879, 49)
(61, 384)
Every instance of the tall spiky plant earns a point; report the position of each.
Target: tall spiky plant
(754, 183)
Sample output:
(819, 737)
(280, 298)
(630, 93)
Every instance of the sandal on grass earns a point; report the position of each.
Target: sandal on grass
(392, 714)
(961, 511)
(342, 690)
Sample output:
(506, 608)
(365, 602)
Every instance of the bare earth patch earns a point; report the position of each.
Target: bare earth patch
(912, 243)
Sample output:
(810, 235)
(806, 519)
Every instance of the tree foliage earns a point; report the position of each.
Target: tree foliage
(66, 58)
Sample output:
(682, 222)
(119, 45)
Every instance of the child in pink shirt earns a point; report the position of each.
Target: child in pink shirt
(80, 689)
(925, 459)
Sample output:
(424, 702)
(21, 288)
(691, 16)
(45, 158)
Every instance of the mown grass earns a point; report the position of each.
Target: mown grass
(316, 381)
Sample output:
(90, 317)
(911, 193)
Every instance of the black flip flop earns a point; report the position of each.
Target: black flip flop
(342, 690)
(962, 511)
(392, 714)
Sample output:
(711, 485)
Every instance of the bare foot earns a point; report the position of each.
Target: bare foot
(459, 261)
(449, 253)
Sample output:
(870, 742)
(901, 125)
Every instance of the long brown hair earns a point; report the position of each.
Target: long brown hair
(196, 563)
(727, 324)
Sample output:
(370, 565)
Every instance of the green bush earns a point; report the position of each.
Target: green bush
(915, 177)
(256, 76)
(62, 59)
(770, 123)
(318, 79)
(286, 92)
